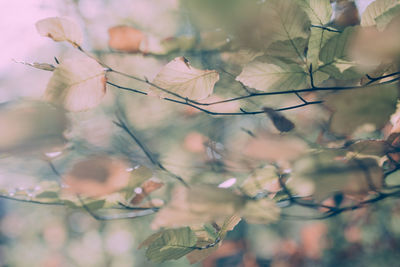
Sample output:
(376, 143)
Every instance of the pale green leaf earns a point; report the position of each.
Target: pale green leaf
(171, 244)
(266, 76)
(319, 11)
(375, 9)
(335, 52)
(393, 179)
(318, 39)
(60, 29)
(288, 50)
(286, 19)
(179, 77)
(77, 84)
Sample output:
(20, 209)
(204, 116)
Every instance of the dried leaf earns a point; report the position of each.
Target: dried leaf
(171, 244)
(280, 121)
(77, 84)
(125, 38)
(179, 77)
(60, 29)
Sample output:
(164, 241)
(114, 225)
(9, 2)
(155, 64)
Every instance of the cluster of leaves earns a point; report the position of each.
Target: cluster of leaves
(332, 159)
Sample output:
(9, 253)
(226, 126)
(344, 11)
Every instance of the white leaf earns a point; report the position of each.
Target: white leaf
(77, 84)
(60, 29)
(179, 77)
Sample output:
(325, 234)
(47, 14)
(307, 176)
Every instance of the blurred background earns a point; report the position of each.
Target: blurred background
(38, 235)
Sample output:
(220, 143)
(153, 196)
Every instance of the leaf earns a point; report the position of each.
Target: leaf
(286, 20)
(374, 10)
(281, 122)
(60, 29)
(199, 204)
(383, 20)
(318, 38)
(331, 172)
(335, 53)
(41, 66)
(47, 194)
(373, 105)
(393, 179)
(276, 76)
(171, 244)
(77, 84)
(285, 50)
(261, 211)
(179, 77)
(125, 38)
(319, 11)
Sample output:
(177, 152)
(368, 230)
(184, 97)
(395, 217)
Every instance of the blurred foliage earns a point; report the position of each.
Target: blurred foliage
(224, 131)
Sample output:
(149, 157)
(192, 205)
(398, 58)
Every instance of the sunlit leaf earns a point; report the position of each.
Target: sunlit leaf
(319, 11)
(286, 20)
(171, 244)
(60, 29)
(288, 50)
(375, 9)
(317, 41)
(276, 75)
(335, 52)
(77, 84)
(372, 105)
(179, 77)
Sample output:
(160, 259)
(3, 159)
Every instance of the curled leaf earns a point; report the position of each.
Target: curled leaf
(60, 29)
(281, 122)
(77, 84)
(179, 77)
